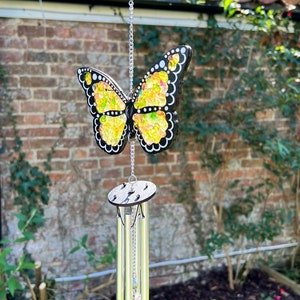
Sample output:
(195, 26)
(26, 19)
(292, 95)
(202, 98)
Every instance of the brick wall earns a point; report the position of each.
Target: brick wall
(42, 63)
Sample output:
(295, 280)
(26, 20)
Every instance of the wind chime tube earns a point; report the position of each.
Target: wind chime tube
(128, 252)
(137, 253)
(120, 254)
(145, 252)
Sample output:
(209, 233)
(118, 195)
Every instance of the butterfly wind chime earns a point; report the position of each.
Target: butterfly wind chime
(148, 115)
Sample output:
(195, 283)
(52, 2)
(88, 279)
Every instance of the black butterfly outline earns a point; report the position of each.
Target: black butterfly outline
(130, 130)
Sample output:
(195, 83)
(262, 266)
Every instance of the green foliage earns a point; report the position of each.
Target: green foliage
(253, 83)
(108, 257)
(10, 273)
(264, 297)
(30, 187)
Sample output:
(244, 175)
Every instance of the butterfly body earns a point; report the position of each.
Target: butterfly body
(149, 114)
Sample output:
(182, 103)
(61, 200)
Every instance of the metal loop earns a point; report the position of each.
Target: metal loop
(132, 179)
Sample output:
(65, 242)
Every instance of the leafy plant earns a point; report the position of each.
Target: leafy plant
(252, 82)
(10, 273)
(29, 186)
(108, 258)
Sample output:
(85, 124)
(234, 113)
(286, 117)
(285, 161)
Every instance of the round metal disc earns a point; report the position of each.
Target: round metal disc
(132, 193)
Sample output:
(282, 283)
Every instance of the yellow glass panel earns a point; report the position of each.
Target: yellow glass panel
(88, 78)
(111, 129)
(173, 61)
(106, 98)
(153, 91)
(152, 126)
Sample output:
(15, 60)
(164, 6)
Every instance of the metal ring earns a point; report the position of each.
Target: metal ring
(132, 179)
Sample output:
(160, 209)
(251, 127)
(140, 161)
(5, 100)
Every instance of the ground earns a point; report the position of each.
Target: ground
(213, 285)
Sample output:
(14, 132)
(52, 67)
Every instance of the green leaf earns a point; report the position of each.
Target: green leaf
(21, 240)
(27, 265)
(84, 240)
(3, 295)
(74, 249)
(13, 285)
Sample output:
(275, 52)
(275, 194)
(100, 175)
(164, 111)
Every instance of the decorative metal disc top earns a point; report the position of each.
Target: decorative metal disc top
(132, 193)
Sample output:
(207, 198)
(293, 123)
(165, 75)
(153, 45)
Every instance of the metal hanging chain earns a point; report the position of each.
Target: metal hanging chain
(132, 177)
(131, 46)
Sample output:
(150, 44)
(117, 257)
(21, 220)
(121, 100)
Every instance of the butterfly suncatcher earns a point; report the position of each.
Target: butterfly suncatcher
(149, 114)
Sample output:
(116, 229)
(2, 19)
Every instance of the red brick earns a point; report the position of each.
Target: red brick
(59, 153)
(122, 160)
(7, 29)
(64, 44)
(62, 31)
(193, 157)
(162, 180)
(34, 31)
(93, 208)
(95, 151)
(144, 170)
(39, 132)
(107, 162)
(22, 94)
(58, 165)
(265, 115)
(118, 35)
(102, 47)
(60, 177)
(13, 82)
(11, 56)
(41, 94)
(108, 183)
(65, 70)
(201, 177)
(65, 94)
(79, 154)
(75, 142)
(111, 173)
(39, 106)
(89, 32)
(161, 168)
(34, 143)
(29, 69)
(41, 56)
(140, 159)
(32, 119)
(40, 81)
(13, 42)
(36, 43)
(252, 163)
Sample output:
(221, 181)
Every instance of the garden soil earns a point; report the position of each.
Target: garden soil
(213, 285)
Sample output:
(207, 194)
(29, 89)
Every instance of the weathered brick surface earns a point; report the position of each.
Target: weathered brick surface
(42, 64)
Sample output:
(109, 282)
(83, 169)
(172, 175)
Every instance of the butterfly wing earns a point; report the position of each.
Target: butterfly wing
(107, 105)
(154, 101)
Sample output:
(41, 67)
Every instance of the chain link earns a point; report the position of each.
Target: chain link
(131, 46)
(132, 158)
(132, 177)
